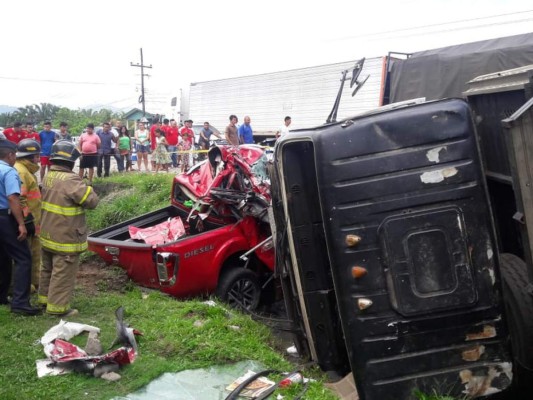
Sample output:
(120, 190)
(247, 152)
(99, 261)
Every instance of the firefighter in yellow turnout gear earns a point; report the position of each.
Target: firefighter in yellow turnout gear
(65, 196)
(27, 165)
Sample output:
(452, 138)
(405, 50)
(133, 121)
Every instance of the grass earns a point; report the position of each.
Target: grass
(432, 396)
(170, 343)
(124, 196)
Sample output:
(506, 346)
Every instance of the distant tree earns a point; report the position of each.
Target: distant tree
(89, 113)
(46, 111)
(7, 119)
(76, 119)
(27, 113)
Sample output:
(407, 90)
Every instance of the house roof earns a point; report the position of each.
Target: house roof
(134, 113)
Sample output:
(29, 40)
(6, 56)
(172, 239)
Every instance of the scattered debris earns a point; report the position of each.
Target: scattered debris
(111, 376)
(66, 330)
(165, 232)
(125, 334)
(64, 357)
(253, 389)
(93, 346)
(103, 369)
(295, 377)
(292, 350)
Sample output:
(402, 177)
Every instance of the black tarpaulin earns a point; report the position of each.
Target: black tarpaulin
(441, 73)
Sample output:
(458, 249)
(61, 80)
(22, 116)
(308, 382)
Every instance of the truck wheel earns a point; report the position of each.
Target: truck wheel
(519, 311)
(239, 288)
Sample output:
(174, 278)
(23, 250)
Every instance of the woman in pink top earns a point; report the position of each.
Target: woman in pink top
(88, 144)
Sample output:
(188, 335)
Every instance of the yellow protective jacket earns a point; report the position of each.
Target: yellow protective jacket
(30, 195)
(65, 196)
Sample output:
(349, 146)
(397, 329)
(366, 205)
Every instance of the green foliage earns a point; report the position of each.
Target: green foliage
(77, 119)
(432, 396)
(124, 196)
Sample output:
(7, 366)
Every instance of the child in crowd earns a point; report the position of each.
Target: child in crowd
(124, 148)
(161, 156)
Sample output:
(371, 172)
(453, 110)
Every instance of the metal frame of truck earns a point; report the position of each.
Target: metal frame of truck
(502, 113)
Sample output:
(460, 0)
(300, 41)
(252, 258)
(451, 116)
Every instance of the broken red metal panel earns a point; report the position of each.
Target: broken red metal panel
(64, 351)
(229, 168)
(164, 232)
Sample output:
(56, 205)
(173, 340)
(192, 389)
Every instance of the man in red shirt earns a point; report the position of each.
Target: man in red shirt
(172, 134)
(165, 127)
(15, 134)
(32, 133)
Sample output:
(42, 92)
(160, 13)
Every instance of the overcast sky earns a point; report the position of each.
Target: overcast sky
(78, 54)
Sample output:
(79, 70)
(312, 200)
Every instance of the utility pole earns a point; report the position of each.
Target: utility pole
(142, 66)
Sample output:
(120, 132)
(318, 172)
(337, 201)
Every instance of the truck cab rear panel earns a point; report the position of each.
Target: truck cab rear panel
(395, 208)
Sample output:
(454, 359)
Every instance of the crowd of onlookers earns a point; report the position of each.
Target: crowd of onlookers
(158, 146)
(42, 222)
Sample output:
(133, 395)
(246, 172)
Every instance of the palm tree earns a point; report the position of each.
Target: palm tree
(46, 111)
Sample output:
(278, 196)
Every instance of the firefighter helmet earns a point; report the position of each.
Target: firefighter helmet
(64, 150)
(28, 147)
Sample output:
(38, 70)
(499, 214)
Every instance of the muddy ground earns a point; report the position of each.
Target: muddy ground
(95, 276)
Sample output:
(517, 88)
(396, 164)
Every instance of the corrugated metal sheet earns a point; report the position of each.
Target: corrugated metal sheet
(306, 94)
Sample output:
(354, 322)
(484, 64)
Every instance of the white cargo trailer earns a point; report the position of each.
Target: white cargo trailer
(307, 95)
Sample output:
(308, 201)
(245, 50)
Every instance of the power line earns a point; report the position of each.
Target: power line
(466, 28)
(444, 24)
(13, 78)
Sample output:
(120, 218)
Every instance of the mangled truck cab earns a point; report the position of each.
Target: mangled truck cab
(213, 238)
(387, 251)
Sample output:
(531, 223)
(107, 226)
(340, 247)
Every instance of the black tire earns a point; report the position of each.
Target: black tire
(519, 311)
(239, 287)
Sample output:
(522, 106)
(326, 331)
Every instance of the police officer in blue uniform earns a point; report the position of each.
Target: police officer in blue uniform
(13, 232)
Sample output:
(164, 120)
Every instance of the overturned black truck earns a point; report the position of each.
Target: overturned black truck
(404, 236)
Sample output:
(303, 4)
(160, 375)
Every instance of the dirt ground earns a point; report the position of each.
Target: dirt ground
(94, 276)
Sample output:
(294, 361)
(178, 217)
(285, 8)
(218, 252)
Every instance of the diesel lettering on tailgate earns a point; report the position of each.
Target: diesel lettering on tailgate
(201, 250)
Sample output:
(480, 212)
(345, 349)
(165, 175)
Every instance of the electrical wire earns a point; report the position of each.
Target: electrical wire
(395, 31)
(14, 78)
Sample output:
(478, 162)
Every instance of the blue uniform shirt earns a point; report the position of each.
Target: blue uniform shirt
(10, 183)
(47, 140)
(245, 131)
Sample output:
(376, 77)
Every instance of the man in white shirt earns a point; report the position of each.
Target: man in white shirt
(116, 155)
(285, 128)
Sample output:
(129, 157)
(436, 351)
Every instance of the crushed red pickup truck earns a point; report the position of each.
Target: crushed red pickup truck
(219, 241)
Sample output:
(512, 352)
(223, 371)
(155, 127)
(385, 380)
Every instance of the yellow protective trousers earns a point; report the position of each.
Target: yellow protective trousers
(58, 278)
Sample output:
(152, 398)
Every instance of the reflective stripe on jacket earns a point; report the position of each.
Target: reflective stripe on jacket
(30, 195)
(65, 198)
